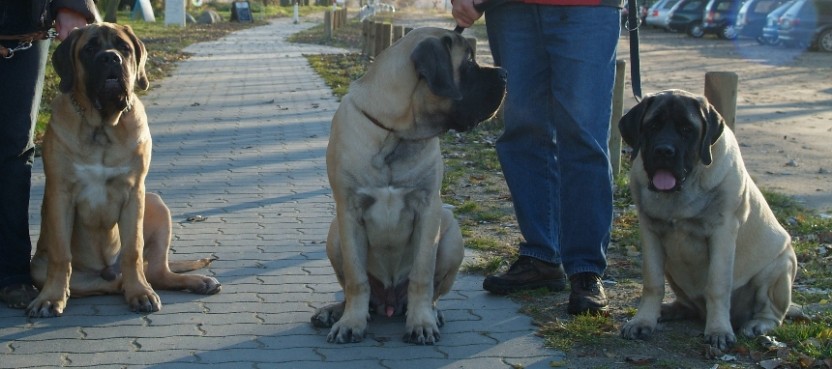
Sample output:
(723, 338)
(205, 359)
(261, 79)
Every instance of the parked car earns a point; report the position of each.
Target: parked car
(686, 16)
(752, 17)
(807, 23)
(657, 14)
(720, 17)
(770, 30)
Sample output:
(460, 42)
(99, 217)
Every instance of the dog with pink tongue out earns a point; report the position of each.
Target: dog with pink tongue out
(705, 226)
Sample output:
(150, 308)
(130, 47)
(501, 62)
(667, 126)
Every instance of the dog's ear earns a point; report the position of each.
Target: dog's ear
(141, 58)
(712, 126)
(63, 61)
(432, 59)
(630, 125)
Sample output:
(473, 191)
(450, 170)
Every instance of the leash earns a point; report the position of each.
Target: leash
(635, 67)
(24, 42)
(482, 8)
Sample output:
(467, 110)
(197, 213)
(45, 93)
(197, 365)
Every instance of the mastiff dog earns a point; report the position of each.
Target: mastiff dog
(704, 224)
(394, 248)
(100, 232)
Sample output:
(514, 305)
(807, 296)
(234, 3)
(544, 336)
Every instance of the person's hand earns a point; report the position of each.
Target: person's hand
(464, 12)
(68, 20)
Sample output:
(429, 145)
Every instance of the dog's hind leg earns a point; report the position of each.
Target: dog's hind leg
(157, 235)
(772, 289)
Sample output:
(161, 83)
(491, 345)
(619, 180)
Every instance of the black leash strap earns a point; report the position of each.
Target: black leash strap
(633, 22)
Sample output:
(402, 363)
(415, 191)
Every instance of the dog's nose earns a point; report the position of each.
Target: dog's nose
(665, 151)
(108, 57)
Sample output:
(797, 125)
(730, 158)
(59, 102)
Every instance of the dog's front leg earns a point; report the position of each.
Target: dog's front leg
(644, 322)
(137, 291)
(55, 245)
(421, 326)
(721, 249)
(353, 323)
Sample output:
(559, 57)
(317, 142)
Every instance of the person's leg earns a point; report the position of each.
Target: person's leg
(581, 44)
(20, 97)
(527, 150)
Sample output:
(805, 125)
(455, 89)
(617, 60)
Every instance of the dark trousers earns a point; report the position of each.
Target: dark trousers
(21, 86)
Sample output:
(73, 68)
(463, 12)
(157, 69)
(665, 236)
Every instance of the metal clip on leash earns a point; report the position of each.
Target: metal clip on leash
(482, 8)
(25, 42)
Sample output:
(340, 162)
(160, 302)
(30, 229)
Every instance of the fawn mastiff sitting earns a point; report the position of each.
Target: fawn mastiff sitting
(100, 232)
(392, 245)
(704, 224)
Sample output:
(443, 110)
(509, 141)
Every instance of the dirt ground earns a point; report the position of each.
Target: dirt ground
(784, 104)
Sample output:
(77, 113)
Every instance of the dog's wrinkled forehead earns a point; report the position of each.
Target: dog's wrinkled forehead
(104, 37)
(671, 108)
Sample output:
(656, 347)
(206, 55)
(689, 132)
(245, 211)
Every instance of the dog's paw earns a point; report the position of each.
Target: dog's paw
(424, 331)
(326, 316)
(209, 286)
(757, 327)
(721, 340)
(347, 331)
(45, 308)
(146, 301)
(440, 318)
(637, 330)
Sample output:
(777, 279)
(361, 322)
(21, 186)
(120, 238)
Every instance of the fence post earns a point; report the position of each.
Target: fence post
(721, 92)
(371, 42)
(328, 26)
(617, 113)
(398, 32)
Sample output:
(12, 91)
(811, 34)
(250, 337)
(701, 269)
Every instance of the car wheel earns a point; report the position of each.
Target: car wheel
(728, 32)
(825, 41)
(695, 30)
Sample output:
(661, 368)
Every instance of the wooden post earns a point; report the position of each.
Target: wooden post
(384, 34)
(365, 36)
(344, 15)
(371, 42)
(398, 32)
(721, 92)
(328, 25)
(617, 113)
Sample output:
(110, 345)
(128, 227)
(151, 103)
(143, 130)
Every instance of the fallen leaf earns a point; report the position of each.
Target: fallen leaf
(770, 364)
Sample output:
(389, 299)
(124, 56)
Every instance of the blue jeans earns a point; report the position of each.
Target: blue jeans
(554, 150)
(22, 77)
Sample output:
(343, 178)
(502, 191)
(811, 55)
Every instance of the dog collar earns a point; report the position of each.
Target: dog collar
(376, 122)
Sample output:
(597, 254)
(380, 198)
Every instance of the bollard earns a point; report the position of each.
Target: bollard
(365, 36)
(328, 25)
(371, 41)
(721, 92)
(398, 32)
(617, 113)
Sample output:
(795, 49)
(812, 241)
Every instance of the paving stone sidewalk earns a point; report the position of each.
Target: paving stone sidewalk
(239, 136)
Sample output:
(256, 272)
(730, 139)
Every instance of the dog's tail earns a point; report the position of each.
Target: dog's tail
(182, 266)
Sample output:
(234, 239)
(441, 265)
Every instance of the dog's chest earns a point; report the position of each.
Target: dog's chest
(98, 185)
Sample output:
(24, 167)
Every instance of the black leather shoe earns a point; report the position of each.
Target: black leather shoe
(527, 273)
(587, 295)
(18, 296)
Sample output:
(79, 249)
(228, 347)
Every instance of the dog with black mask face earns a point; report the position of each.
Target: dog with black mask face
(705, 226)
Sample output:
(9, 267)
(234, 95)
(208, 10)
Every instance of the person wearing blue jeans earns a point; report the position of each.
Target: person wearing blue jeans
(560, 59)
(23, 23)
